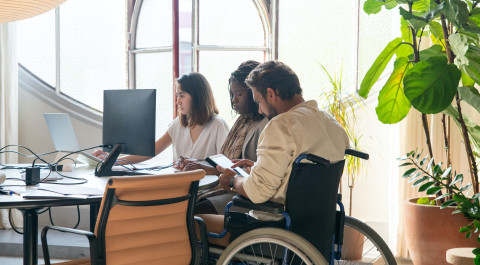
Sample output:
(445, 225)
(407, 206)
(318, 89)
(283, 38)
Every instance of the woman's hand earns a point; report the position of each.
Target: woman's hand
(100, 154)
(209, 170)
(183, 161)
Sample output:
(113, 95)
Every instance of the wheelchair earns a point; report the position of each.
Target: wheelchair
(312, 228)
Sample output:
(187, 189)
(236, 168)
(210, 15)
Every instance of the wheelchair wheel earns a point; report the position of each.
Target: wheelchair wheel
(270, 246)
(365, 246)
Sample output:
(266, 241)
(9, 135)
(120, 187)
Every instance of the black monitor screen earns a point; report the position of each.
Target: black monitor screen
(128, 123)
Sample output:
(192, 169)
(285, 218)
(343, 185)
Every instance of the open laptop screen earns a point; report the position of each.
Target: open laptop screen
(61, 131)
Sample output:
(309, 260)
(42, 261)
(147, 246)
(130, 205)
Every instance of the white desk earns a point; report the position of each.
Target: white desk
(31, 207)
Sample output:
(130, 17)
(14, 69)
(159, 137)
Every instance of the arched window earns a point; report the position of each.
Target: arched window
(229, 33)
(78, 49)
(85, 47)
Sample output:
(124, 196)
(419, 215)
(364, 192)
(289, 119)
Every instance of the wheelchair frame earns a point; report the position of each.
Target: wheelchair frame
(285, 237)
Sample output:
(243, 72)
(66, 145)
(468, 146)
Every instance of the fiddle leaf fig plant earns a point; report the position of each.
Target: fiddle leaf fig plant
(435, 70)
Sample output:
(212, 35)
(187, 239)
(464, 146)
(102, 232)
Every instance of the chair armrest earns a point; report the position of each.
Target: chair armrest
(203, 239)
(88, 234)
(269, 207)
(46, 255)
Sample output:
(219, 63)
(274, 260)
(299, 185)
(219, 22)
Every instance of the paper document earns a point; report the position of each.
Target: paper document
(72, 189)
(45, 194)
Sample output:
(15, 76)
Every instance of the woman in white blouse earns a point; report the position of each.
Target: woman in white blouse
(197, 132)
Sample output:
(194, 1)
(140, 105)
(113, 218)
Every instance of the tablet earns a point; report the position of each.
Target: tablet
(223, 161)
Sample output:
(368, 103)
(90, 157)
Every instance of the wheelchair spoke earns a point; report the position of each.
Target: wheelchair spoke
(254, 245)
(363, 245)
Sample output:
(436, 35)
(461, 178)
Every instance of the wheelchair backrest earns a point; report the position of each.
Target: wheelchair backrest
(311, 202)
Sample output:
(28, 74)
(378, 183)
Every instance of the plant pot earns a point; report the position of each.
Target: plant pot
(431, 231)
(352, 244)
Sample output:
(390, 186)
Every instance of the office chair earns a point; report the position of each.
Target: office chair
(143, 220)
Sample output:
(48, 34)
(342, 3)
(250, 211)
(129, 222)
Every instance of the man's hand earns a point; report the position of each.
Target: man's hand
(244, 163)
(225, 177)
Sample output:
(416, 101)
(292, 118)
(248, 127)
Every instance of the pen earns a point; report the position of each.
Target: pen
(9, 192)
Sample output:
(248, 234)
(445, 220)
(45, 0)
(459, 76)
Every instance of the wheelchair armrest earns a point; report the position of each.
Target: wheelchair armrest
(269, 207)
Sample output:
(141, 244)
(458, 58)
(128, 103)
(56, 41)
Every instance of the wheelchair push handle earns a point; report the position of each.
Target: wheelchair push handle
(357, 153)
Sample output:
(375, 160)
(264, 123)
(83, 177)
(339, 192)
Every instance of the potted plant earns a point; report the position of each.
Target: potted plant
(341, 105)
(429, 80)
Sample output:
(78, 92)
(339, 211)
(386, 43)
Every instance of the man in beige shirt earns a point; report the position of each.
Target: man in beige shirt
(296, 126)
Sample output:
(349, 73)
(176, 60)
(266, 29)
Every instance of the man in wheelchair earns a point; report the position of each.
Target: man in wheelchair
(296, 127)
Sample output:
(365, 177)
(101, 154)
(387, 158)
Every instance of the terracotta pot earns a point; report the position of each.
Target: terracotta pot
(352, 244)
(431, 231)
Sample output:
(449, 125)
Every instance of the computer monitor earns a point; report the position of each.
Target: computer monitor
(128, 126)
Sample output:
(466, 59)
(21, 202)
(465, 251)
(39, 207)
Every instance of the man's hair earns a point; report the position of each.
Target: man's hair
(239, 75)
(277, 76)
(203, 106)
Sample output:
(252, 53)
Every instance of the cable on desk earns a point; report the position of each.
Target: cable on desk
(12, 223)
(78, 216)
(76, 152)
(28, 149)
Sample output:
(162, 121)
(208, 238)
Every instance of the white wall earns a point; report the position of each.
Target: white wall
(375, 193)
(33, 133)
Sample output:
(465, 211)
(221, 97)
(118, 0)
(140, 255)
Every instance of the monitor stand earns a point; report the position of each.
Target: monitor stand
(105, 169)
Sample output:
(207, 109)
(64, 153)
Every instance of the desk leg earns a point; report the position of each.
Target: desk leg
(93, 215)
(30, 236)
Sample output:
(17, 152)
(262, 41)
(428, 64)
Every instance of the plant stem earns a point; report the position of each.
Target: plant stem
(468, 146)
(416, 53)
(446, 135)
(449, 52)
(466, 139)
(350, 208)
(427, 134)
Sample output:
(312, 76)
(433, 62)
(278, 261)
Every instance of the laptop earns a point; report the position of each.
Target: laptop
(64, 138)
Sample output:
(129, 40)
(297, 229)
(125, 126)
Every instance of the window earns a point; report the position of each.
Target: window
(90, 56)
(84, 47)
(229, 33)
(321, 35)
(151, 59)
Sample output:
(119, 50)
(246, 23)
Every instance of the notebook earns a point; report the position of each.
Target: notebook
(63, 135)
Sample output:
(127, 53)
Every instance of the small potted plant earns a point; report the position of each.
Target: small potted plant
(341, 105)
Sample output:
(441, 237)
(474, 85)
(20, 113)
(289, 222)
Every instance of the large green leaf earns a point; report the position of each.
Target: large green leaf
(421, 5)
(473, 67)
(406, 31)
(393, 106)
(432, 51)
(416, 22)
(472, 128)
(431, 85)
(475, 17)
(378, 66)
(436, 29)
(471, 96)
(456, 11)
(467, 80)
(459, 45)
(373, 6)
(433, 13)
(390, 4)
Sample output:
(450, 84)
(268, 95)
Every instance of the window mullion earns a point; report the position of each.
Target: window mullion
(57, 50)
